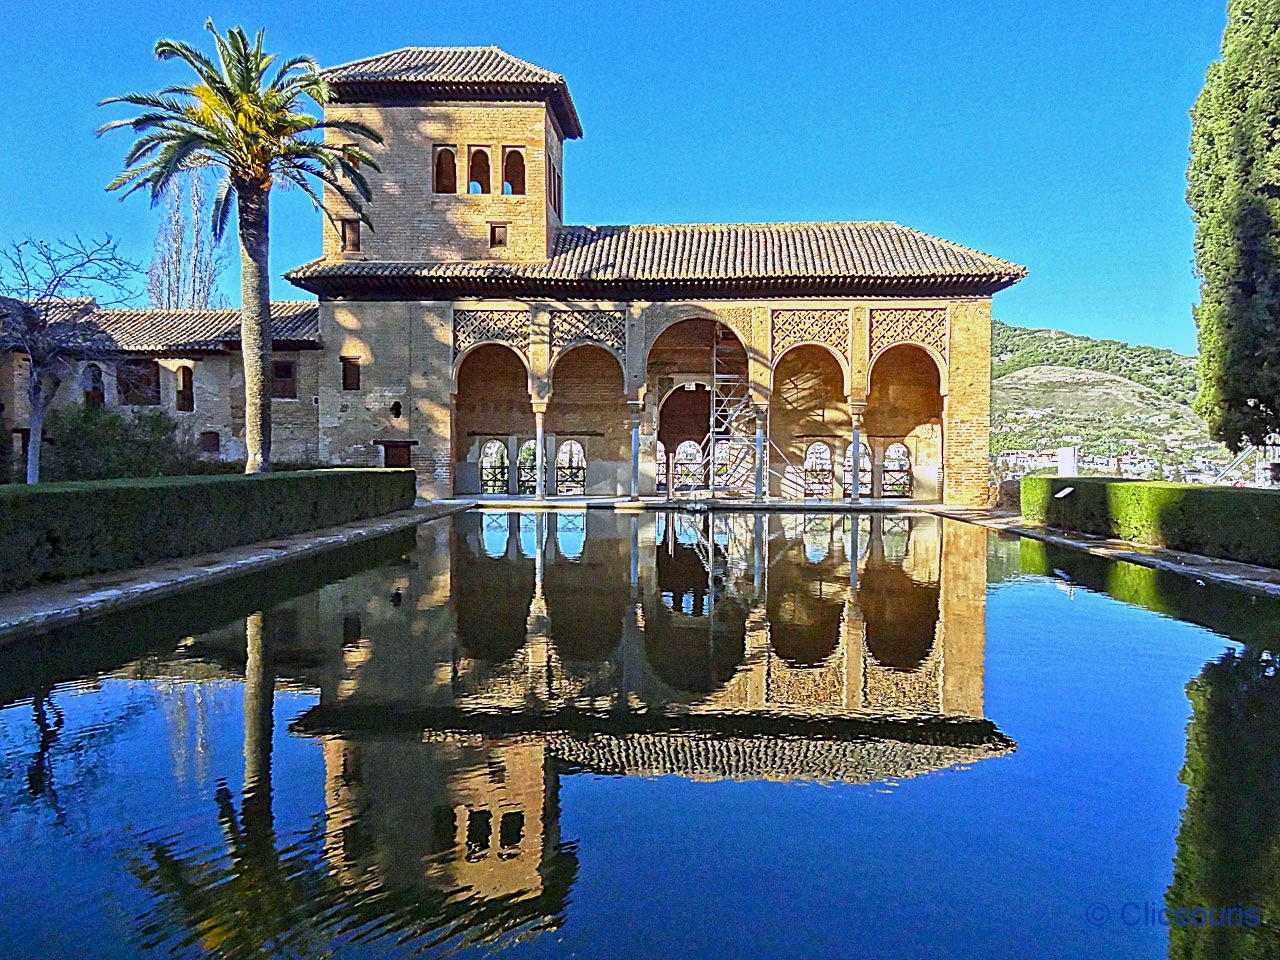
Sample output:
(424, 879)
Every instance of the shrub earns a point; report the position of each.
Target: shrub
(1228, 522)
(98, 443)
(56, 531)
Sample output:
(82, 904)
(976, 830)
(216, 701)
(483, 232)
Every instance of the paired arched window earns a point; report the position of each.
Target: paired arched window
(445, 176)
(478, 174)
(513, 173)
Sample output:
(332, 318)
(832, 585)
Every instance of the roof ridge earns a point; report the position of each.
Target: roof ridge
(776, 225)
(464, 48)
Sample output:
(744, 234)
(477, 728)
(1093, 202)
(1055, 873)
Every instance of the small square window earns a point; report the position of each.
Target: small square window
(284, 380)
(350, 373)
(210, 441)
(350, 230)
(497, 234)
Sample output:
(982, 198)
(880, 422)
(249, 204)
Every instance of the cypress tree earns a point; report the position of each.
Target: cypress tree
(1233, 188)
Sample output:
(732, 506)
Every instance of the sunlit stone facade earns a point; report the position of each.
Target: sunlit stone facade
(483, 324)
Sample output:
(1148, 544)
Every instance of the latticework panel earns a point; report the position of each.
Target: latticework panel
(478, 326)
(605, 327)
(926, 326)
(828, 327)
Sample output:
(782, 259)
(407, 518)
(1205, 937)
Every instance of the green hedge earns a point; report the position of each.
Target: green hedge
(56, 531)
(1235, 523)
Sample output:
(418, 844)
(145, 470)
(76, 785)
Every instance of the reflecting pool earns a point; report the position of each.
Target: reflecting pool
(676, 735)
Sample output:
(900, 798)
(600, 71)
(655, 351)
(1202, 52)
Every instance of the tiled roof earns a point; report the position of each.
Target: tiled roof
(442, 65)
(169, 331)
(457, 68)
(848, 256)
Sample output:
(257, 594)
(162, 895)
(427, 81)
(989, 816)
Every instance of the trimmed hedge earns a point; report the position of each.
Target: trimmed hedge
(1234, 523)
(57, 531)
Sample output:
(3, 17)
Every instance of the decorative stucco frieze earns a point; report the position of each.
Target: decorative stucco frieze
(926, 326)
(827, 327)
(605, 327)
(479, 326)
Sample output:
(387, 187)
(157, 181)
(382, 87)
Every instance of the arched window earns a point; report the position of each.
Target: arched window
(864, 470)
(94, 390)
(445, 177)
(896, 476)
(186, 396)
(688, 466)
(479, 172)
(527, 468)
(513, 173)
(493, 467)
(571, 469)
(817, 470)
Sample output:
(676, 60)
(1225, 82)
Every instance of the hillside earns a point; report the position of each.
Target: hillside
(1052, 389)
(1170, 374)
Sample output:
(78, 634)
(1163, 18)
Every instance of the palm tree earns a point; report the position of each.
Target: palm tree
(249, 123)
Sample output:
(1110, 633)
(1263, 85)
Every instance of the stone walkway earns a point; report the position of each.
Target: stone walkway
(1264, 581)
(43, 608)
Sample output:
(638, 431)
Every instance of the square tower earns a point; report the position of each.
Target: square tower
(471, 159)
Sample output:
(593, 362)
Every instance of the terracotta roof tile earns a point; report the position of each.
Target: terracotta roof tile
(454, 69)
(867, 251)
(442, 65)
(167, 331)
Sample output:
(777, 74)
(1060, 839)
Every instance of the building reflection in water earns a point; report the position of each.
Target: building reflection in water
(457, 686)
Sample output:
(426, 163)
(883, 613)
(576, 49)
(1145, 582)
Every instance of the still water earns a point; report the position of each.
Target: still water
(601, 735)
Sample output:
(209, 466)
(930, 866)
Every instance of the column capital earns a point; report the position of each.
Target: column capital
(540, 407)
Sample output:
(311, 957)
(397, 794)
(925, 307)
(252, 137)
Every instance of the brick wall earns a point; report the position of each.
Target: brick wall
(588, 405)
(808, 405)
(492, 399)
(968, 409)
(413, 222)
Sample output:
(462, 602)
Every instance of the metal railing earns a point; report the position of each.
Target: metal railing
(527, 478)
(895, 482)
(571, 480)
(494, 477)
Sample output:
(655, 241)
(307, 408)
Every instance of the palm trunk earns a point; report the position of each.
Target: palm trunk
(255, 326)
(40, 390)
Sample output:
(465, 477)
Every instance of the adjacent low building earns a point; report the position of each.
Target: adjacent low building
(479, 338)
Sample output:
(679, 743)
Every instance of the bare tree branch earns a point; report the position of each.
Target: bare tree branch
(49, 292)
(188, 260)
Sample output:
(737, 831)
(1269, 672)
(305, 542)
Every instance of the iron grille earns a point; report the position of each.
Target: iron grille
(493, 477)
(527, 478)
(895, 483)
(571, 479)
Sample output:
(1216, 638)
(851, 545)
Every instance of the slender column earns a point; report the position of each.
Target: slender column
(539, 453)
(760, 454)
(856, 409)
(635, 408)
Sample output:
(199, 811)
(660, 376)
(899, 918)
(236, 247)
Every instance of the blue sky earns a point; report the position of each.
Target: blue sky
(1050, 133)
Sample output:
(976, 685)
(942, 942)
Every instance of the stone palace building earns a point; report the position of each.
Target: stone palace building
(478, 338)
